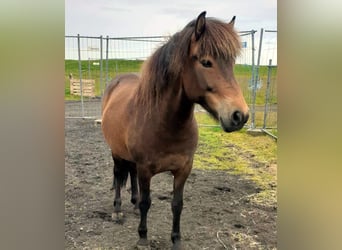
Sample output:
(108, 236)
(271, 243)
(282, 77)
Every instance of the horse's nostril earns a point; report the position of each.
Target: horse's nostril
(237, 118)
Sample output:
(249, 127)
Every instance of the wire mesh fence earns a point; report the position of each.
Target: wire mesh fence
(103, 58)
(263, 85)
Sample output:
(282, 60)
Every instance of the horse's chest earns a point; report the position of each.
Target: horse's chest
(171, 161)
(164, 154)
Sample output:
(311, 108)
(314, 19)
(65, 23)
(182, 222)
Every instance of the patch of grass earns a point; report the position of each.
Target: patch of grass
(252, 157)
(241, 240)
(271, 119)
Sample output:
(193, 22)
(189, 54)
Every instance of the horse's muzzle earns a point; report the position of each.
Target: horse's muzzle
(235, 122)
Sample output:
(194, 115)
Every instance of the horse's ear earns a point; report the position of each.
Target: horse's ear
(200, 25)
(232, 22)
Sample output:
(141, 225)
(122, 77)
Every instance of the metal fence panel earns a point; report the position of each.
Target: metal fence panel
(264, 85)
(103, 58)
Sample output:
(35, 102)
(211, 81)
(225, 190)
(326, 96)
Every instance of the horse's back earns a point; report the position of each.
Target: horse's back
(116, 104)
(119, 80)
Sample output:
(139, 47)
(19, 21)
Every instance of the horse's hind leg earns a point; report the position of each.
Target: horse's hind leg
(120, 178)
(134, 186)
(113, 185)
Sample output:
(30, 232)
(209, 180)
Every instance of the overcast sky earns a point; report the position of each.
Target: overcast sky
(156, 17)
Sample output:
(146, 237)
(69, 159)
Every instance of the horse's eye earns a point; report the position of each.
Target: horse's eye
(206, 63)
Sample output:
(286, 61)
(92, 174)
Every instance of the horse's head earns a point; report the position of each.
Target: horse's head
(208, 76)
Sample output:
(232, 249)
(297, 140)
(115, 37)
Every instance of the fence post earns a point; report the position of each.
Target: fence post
(253, 55)
(252, 78)
(267, 91)
(107, 44)
(80, 72)
(255, 81)
(101, 69)
(89, 74)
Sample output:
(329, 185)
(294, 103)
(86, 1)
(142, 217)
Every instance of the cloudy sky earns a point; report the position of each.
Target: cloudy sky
(157, 17)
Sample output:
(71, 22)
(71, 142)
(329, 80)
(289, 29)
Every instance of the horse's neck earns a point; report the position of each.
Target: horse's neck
(176, 111)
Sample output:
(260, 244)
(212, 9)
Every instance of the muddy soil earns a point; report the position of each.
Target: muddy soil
(217, 212)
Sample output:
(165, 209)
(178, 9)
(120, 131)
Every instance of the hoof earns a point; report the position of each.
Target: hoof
(136, 211)
(143, 244)
(177, 245)
(118, 217)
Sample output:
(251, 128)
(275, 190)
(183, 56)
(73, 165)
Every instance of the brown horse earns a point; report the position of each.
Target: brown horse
(149, 123)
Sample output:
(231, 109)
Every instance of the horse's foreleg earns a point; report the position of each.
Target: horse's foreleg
(144, 205)
(177, 205)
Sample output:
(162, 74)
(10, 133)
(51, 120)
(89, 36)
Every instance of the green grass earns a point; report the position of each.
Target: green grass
(271, 119)
(252, 157)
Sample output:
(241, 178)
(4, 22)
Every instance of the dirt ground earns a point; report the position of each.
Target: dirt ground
(217, 213)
